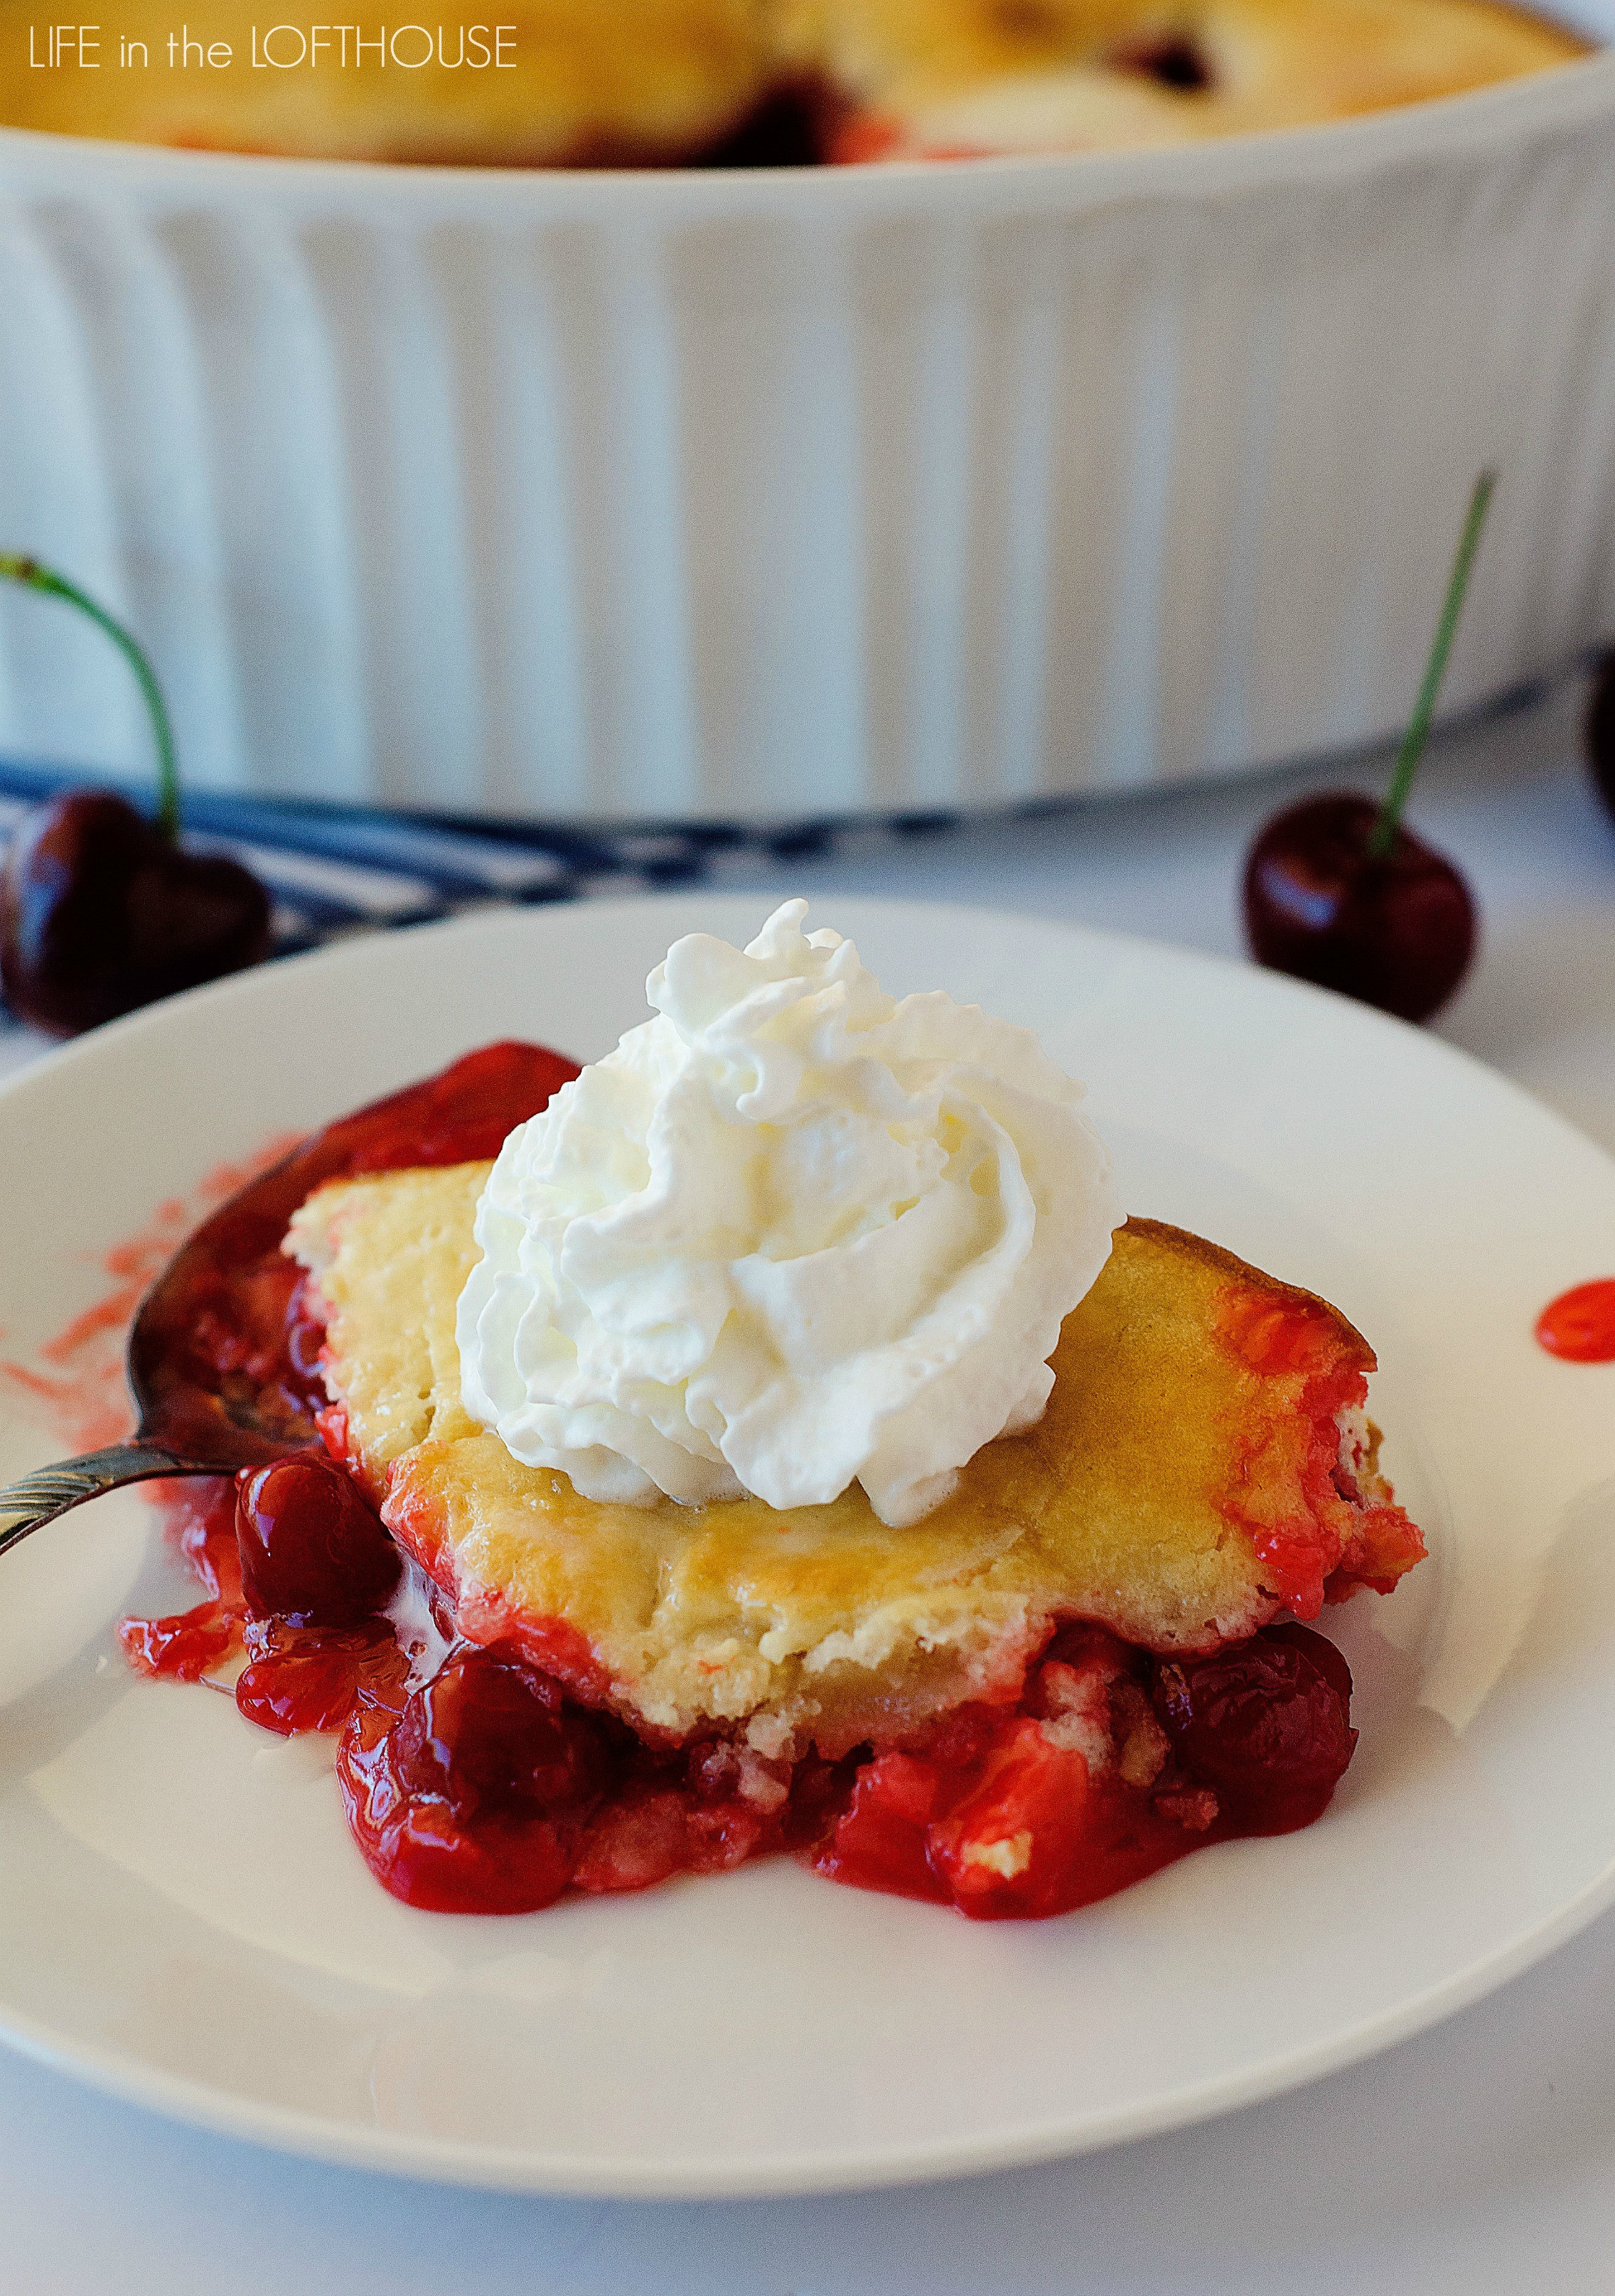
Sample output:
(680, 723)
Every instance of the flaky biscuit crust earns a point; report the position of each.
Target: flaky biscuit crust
(1178, 1455)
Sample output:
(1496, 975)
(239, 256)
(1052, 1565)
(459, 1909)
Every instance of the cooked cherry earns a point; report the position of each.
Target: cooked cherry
(311, 1550)
(475, 1799)
(782, 131)
(1266, 1723)
(879, 1839)
(100, 913)
(489, 1734)
(1173, 59)
(1396, 931)
(184, 1645)
(1006, 1827)
(1317, 1649)
(309, 1677)
(1016, 1842)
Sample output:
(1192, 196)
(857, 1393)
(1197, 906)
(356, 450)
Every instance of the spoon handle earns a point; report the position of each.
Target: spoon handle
(50, 1492)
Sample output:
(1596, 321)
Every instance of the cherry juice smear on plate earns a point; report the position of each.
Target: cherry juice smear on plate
(1580, 1325)
(474, 1784)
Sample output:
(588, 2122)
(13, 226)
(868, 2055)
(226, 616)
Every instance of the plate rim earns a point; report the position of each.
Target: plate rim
(481, 2168)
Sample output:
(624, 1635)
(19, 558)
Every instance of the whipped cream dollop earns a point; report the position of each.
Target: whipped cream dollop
(792, 1233)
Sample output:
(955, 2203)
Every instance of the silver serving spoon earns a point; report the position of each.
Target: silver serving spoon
(214, 1390)
(194, 1418)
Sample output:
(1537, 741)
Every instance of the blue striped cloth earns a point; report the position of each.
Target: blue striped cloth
(336, 870)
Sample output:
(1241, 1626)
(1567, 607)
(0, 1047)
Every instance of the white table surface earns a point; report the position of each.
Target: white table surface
(1478, 2159)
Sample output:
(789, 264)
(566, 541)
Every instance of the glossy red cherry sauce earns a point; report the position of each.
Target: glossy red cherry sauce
(1113, 1764)
(297, 1566)
(484, 1788)
(1580, 1325)
(474, 1784)
(201, 1521)
(487, 1790)
(226, 1330)
(1335, 1541)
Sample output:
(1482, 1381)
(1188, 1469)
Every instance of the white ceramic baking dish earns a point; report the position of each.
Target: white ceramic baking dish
(781, 493)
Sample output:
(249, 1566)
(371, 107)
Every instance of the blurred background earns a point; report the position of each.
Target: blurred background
(1126, 450)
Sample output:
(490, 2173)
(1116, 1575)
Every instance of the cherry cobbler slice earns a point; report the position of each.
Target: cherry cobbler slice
(1203, 1465)
(1053, 1682)
(1084, 1662)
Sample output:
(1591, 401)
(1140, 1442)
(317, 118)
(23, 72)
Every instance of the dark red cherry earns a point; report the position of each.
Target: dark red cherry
(1268, 1722)
(100, 911)
(476, 1798)
(311, 1677)
(488, 1736)
(311, 1550)
(1396, 931)
(1598, 732)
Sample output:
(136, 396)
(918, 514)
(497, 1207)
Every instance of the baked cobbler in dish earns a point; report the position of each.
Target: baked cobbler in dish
(916, 79)
(570, 83)
(638, 83)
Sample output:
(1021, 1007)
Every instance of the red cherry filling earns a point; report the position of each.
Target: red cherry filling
(1124, 1764)
(488, 1790)
(309, 1678)
(1024, 1830)
(475, 1798)
(227, 1336)
(1265, 1724)
(309, 1659)
(201, 1521)
(311, 1551)
(184, 1645)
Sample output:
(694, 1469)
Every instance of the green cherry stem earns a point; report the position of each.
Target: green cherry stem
(1384, 834)
(32, 576)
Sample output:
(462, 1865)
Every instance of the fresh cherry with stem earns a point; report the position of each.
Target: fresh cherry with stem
(1338, 892)
(102, 910)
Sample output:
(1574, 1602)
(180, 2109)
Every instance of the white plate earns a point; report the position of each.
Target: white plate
(183, 1919)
